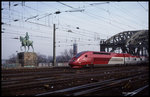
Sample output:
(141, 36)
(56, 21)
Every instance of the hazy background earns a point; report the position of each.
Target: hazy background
(98, 20)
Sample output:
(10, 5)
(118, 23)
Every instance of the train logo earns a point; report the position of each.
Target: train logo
(93, 59)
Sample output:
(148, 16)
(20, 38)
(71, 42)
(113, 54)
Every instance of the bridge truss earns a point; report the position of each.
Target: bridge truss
(133, 42)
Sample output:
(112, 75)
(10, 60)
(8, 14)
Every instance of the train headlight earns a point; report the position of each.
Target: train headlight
(73, 60)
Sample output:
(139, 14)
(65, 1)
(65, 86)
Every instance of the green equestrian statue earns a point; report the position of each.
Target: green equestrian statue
(26, 42)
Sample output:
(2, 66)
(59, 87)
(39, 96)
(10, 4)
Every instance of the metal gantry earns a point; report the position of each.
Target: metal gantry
(133, 42)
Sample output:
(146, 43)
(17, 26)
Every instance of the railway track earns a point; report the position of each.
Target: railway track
(89, 88)
(12, 75)
(26, 83)
(20, 82)
(135, 92)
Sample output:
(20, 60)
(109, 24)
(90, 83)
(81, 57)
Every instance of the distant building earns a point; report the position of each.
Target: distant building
(74, 49)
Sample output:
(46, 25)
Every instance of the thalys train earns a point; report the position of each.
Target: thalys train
(94, 59)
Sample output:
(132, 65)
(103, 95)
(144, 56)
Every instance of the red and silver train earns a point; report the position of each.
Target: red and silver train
(92, 58)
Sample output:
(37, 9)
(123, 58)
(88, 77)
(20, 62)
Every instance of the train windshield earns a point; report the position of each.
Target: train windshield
(79, 54)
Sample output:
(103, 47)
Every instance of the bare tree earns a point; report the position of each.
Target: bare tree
(65, 56)
(41, 58)
(12, 58)
(71, 53)
(49, 59)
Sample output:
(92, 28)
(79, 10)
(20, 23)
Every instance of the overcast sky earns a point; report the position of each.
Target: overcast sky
(82, 22)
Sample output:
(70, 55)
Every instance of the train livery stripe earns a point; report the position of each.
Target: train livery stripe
(116, 60)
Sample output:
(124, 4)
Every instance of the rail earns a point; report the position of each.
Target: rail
(93, 87)
(135, 91)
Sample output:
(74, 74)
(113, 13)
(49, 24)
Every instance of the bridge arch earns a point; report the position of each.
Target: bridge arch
(133, 42)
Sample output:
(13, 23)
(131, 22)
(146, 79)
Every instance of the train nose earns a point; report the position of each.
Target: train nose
(72, 62)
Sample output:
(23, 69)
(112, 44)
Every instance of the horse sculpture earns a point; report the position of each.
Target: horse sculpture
(25, 43)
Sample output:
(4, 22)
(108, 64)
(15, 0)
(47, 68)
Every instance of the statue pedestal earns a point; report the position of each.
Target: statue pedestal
(27, 59)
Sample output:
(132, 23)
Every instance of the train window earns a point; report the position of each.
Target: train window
(79, 54)
(101, 53)
(86, 56)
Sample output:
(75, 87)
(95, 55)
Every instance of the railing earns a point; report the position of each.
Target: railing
(29, 63)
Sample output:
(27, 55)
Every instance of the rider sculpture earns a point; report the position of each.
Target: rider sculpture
(26, 42)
